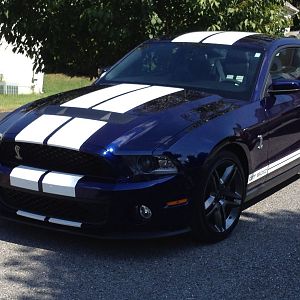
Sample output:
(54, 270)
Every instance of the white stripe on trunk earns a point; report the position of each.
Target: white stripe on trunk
(97, 97)
(26, 177)
(37, 131)
(74, 134)
(227, 38)
(193, 37)
(129, 101)
(60, 183)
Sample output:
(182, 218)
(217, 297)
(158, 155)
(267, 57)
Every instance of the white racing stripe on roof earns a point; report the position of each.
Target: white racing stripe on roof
(37, 131)
(227, 38)
(26, 177)
(60, 183)
(193, 37)
(74, 134)
(129, 101)
(94, 98)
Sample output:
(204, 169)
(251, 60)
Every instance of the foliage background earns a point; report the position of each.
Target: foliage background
(75, 37)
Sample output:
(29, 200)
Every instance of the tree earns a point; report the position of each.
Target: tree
(248, 15)
(73, 36)
(78, 36)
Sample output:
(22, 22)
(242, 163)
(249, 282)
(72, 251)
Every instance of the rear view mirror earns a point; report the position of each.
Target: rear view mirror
(284, 87)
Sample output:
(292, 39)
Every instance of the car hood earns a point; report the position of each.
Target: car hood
(118, 118)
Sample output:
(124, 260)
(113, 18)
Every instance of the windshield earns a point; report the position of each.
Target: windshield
(218, 69)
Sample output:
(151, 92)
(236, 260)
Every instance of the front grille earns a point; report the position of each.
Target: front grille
(56, 159)
(86, 212)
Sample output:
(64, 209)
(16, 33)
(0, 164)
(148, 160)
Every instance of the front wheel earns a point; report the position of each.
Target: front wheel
(218, 201)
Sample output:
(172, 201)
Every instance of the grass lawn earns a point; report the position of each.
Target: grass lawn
(53, 84)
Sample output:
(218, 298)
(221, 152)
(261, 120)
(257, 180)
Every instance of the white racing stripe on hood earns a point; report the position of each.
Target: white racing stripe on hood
(74, 134)
(26, 177)
(60, 184)
(37, 131)
(94, 98)
(193, 37)
(227, 38)
(129, 101)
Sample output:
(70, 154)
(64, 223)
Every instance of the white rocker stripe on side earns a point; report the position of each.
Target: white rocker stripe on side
(274, 166)
(284, 161)
(97, 97)
(26, 177)
(129, 101)
(74, 134)
(31, 215)
(60, 184)
(227, 38)
(193, 37)
(37, 131)
(65, 222)
(258, 174)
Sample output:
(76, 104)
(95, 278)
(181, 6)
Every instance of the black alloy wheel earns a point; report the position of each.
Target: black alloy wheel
(222, 192)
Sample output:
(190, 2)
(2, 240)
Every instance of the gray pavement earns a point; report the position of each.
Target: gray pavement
(261, 260)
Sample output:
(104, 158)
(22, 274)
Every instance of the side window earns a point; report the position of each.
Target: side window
(286, 64)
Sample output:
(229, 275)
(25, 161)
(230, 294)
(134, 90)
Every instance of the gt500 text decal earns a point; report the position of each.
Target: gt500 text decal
(274, 166)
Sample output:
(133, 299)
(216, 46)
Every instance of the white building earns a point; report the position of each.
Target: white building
(17, 75)
(289, 11)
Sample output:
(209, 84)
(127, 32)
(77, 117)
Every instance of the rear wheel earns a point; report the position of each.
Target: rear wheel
(218, 202)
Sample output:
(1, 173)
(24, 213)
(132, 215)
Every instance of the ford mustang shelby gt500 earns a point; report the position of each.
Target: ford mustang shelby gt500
(177, 136)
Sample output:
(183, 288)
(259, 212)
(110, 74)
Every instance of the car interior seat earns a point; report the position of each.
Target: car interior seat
(236, 66)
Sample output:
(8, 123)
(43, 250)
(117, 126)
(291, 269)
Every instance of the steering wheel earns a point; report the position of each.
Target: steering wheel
(231, 81)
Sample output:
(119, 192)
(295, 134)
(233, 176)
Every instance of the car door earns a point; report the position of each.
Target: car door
(283, 111)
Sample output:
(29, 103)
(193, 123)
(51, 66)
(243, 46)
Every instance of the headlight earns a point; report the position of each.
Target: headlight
(147, 164)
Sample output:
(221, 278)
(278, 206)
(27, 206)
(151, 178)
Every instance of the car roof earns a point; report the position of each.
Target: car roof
(236, 38)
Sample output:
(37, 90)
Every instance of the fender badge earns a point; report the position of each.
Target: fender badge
(17, 150)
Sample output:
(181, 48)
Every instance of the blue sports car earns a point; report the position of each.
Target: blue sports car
(178, 136)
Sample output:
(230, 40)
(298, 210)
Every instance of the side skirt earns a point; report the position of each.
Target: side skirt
(259, 193)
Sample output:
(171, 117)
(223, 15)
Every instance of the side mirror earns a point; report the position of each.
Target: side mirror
(284, 87)
(101, 71)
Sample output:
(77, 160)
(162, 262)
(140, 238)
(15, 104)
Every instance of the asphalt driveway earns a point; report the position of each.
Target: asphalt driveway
(261, 260)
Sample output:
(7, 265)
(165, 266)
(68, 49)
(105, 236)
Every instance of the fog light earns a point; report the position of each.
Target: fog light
(145, 212)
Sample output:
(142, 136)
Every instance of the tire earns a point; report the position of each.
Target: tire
(219, 198)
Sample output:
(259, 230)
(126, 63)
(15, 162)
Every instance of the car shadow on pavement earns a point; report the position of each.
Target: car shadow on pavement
(260, 259)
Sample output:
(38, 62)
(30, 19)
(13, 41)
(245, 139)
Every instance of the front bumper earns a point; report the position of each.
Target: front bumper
(100, 209)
